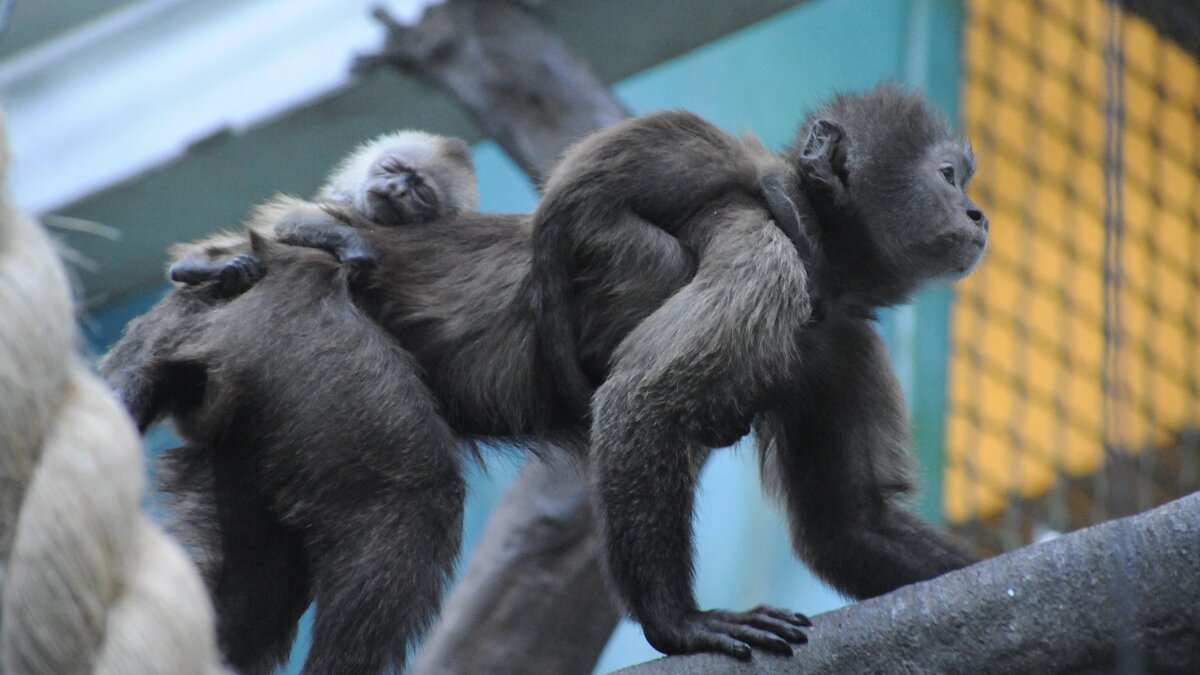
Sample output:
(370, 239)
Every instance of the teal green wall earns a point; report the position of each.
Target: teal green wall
(762, 80)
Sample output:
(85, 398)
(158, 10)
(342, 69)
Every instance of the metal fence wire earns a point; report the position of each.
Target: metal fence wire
(1074, 381)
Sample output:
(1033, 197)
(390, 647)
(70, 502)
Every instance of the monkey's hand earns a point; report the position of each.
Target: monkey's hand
(732, 633)
(233, 276)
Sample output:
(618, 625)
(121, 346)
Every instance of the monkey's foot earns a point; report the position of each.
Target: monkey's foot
(732, 633)
(232, 276)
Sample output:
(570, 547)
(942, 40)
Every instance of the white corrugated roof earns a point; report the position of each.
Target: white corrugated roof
(136, 87)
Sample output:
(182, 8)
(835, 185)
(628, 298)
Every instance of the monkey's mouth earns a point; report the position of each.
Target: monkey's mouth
(970, 251)
(384, 210)
(958, 251)
(421, 204)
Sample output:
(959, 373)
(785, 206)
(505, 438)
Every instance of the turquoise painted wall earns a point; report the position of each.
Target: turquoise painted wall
(762, 80)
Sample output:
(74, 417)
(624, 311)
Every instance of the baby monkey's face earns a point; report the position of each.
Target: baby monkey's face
(396, 192)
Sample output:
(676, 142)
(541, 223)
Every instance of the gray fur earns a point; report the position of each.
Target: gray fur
(404, 178)
(272, 498)
(739, 343)
(313, 468)
(690, 302)
(614, 205)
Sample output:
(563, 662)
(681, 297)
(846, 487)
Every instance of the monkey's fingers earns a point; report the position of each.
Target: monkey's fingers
(779, 623)
(240, 273)
(733, 633)
(794, 618)
(755, 637)
(191, 270)
(787, 628)
(695, 634)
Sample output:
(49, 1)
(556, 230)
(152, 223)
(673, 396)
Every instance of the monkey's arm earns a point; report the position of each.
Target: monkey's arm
(314, 228)
(296, 223)
(681, 383)
(840, 460)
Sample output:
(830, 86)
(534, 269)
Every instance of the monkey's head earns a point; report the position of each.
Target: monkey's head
(405, 178)
(887, 172)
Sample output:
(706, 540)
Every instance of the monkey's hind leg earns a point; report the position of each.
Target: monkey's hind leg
(380, 577)
(691, 376)
(255, 569)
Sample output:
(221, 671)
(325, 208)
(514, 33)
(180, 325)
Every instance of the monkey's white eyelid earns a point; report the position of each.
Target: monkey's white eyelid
(947, 172)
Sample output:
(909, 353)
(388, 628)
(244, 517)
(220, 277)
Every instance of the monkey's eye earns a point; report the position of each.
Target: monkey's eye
(947, 172)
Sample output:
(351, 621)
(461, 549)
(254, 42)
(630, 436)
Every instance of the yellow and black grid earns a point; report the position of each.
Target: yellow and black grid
(1074, 381)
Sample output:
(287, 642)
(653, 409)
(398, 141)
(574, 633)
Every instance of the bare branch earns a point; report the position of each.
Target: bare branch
(533, 599)
(519, 82)
(1119, 597)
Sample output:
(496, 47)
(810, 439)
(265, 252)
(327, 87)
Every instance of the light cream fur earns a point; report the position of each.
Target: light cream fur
(89, 584)
(418, 148)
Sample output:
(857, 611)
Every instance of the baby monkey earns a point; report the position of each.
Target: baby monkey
(396, 180)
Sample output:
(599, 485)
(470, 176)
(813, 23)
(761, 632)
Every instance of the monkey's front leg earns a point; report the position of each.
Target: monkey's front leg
(691, 376)
(645, 472)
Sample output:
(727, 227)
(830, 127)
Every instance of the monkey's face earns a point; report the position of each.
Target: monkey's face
(395, 193)
(921, 214)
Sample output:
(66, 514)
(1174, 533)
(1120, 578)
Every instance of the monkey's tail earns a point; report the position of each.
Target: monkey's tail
(553, 270)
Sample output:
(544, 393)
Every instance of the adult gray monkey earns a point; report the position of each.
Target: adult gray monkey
(717, 332)
(881, 203)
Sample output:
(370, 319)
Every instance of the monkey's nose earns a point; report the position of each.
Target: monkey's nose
(978, 218)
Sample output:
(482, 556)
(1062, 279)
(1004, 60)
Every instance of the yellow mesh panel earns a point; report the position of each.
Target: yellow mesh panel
(1075, 344)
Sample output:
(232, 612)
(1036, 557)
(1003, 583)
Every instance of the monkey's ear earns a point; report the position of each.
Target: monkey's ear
(457, 147)
(824, 151)
(260, 244)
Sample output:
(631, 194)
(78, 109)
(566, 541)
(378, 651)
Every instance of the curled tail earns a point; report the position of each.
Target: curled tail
(553, 271)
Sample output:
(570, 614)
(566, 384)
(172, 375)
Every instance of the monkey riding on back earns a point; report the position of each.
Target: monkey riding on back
(668, 320)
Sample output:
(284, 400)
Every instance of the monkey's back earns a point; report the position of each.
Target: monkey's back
(303, 378)
(455, 293)
(663, 166)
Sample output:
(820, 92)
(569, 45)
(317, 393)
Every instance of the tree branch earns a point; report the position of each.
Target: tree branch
(519, 82)
(533, 599)
(1123, 596)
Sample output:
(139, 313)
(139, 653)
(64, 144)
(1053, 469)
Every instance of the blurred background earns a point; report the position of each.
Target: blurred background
(1057, 387)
